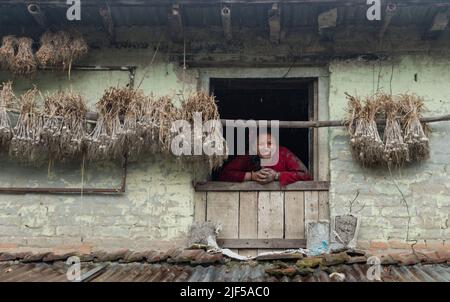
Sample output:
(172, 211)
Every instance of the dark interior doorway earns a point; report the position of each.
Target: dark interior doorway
(269, 99)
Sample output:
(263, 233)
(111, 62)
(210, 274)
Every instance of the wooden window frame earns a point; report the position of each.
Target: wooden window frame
(318, 110)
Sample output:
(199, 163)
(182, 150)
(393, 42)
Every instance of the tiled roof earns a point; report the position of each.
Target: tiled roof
(198, 265)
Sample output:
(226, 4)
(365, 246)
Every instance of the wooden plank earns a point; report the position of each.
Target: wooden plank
(311, 206)
(199, 206)
(223, 208)
(294, 215)
(270, 214)
(262, 243)
(248, 219)
(221, 186)
(324, 209)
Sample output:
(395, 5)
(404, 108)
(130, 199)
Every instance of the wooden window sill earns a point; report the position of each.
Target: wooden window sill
(254, 186)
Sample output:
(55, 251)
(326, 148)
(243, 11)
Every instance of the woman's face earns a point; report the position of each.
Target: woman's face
(266, 149)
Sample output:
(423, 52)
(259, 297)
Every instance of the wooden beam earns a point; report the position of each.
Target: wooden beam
(391, 10)
(327, 22)
(108, 23)
(274, 23)
(439, 24)
(226, 22)
(221, 186)
(262, 243)
(175, 23)
(37, 13)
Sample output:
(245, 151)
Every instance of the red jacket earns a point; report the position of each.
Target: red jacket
(290, 167)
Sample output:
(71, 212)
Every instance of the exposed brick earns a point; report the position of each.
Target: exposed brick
(420, 245)
(363, 244)
(435, 244)
(397, 244)
(379, 245)
(8, 246)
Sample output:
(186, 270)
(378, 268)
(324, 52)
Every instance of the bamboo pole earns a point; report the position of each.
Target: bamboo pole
(91, 117)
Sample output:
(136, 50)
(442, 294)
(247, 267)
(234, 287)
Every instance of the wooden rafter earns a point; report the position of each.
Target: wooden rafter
(274, 23)
(391, 10)
(175, 23)
(327, 22)
(105, 13)
(226, 22)
(439, 24)
(37, 13)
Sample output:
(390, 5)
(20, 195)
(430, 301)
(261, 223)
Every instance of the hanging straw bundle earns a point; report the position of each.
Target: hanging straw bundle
(212, 138)
(46, 55)
(6, 99)
(108, 137)
(8, 51)
(24, 62)
(79, 46)
(160, 115)
(26, 143)
(415, 134)
(133, 127)
(64, 132)
(366, 144)
(146, 123)
(73, 130)
(395, 150)
(51, 130)
(61, 48)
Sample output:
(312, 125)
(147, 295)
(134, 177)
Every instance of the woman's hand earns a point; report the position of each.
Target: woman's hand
(266, 175)
(263, 176)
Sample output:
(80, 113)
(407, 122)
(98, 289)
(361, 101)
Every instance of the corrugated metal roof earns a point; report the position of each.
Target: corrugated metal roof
(198, 265)
(232, 272)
